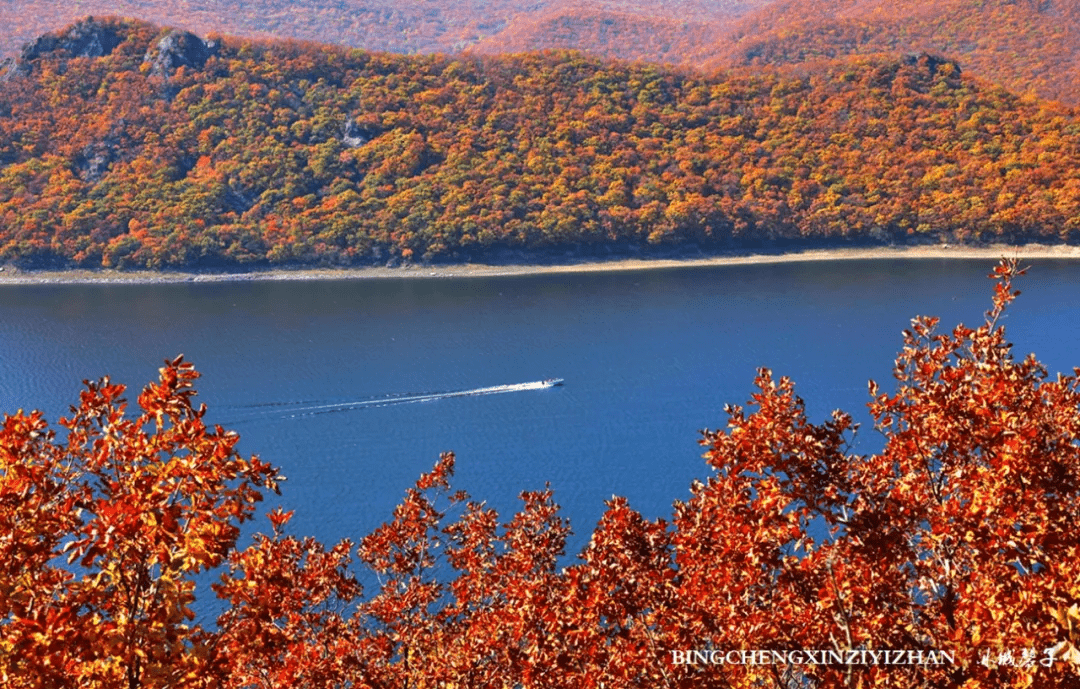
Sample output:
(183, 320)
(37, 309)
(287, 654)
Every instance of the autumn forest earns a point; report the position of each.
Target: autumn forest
(126, 145)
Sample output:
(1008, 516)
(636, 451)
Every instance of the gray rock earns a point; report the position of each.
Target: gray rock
(236, 200)
(8, 68)
(86, 38)
(355, 136)
(179, 49)
(95, 159)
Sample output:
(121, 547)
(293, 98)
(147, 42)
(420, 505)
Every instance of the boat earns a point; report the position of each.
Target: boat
(552, 382)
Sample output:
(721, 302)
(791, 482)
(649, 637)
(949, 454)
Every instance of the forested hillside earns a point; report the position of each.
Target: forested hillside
(124, 144)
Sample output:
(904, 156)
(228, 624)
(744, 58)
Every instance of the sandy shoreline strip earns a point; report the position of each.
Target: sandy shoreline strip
(10, 276)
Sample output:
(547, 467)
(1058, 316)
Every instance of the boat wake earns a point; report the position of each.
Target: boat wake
(292, 410)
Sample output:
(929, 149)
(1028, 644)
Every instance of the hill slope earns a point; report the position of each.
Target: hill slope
(122, 144)
(1029, 46)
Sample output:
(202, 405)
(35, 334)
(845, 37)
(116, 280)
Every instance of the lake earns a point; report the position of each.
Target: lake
(340, 383)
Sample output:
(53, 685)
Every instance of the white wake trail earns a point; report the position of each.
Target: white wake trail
(413, 398)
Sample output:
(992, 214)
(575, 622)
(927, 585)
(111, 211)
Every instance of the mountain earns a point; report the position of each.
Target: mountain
(419, 26)
(125, 144)
(1029, 46)
(668, 32)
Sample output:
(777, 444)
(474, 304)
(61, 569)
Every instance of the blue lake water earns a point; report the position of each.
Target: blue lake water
(312, 374)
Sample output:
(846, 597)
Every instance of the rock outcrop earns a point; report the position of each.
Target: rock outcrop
(354, 135)
(930, 63)
(93, 162)
(179, 49)
(88, 37)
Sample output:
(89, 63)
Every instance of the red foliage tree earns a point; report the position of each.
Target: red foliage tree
(137, 507)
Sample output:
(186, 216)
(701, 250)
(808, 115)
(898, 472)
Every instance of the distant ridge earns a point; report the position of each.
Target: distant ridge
(418, 26)
(1029, 46)
(608, 34)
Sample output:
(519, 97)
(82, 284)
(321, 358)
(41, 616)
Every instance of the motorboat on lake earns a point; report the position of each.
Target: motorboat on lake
(552, 382)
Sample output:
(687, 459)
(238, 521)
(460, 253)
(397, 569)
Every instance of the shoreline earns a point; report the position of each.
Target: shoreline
(11, 276)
